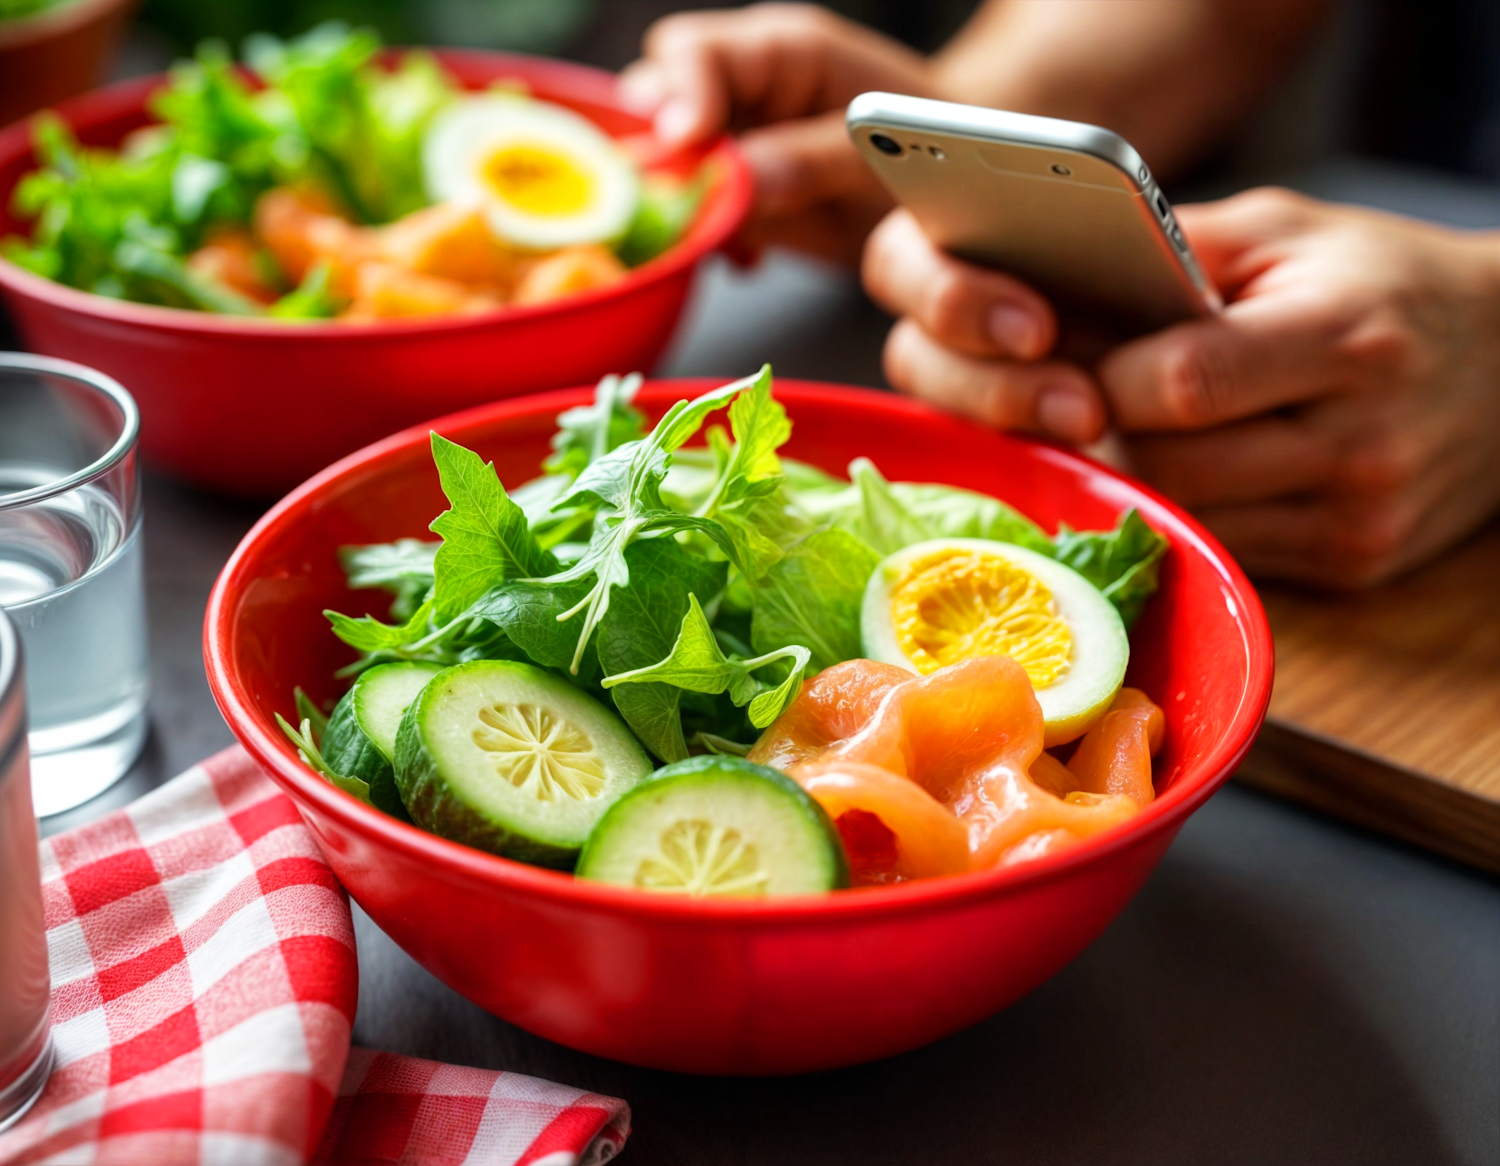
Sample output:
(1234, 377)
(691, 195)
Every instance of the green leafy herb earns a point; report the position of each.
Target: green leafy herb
(307, 749)
(698, 664)
(404, 568)
(1123, 563)
(641, 627)
(586, 433)
(485, 536)
(627, 481)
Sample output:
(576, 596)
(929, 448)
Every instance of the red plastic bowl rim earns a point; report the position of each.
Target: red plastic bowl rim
(279, 758)
(723, 213)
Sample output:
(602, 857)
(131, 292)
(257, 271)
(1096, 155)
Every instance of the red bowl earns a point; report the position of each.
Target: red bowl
(251, 407)
(779, 986)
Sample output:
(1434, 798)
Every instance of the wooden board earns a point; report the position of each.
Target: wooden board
(1386, 709)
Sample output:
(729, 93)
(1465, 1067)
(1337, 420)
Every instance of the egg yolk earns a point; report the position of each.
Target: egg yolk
(953, 605)
(538, 179)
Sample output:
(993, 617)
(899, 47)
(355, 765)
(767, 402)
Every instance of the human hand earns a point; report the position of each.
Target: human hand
(1337, 423)
(781, 75)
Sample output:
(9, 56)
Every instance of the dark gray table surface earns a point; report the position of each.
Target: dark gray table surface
(1284, 990)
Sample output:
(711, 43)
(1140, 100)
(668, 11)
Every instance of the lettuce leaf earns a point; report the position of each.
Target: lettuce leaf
(1124, 563)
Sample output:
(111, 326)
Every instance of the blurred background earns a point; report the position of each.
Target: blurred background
(1402, 82)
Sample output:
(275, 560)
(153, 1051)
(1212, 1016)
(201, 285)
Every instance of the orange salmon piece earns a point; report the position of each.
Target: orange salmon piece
(229, 257)
(1052, 775)
(568, 272)
(1114, 756)
(299, 230)
(925, 839)
(383, 291)
(452, 242)
(837, 703)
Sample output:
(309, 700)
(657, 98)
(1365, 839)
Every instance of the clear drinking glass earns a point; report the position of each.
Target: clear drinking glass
(70, 571)
(25, 988)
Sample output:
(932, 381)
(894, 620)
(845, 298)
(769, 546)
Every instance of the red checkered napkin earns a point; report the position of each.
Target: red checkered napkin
(203, 989)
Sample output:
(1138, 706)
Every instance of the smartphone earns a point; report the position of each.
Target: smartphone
(1069, 208)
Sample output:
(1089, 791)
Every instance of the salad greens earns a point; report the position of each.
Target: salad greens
(328, 118)
(696, 586)
(121, 223)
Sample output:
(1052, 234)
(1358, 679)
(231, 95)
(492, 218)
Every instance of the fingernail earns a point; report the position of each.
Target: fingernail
(675, 122)
(1066, 412)
(1014, 329)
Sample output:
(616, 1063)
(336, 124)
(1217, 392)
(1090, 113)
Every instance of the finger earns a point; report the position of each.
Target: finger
(1051, 397)
(1235, 238)
(962, 305)
(798, 164)
(1327, 539)
(1260, 353)
(692, 76)
(1244, 461)
(642, 87)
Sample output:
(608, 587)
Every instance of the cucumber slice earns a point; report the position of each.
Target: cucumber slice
(360, 740)
(505, 757)
(716, 826)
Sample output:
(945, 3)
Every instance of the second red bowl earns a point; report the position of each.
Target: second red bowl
(251, 407)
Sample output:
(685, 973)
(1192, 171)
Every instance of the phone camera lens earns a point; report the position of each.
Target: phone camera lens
(885, 145)
(1059, 168)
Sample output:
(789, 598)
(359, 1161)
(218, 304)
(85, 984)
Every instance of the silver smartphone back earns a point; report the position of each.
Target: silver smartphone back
(1069, 208)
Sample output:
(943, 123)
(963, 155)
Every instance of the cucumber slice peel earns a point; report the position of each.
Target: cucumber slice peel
(509, 758)
(712, 827)
(360, 739)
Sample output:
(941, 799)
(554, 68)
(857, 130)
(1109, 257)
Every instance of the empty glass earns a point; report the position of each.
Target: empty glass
(25, 988)
(70, 571)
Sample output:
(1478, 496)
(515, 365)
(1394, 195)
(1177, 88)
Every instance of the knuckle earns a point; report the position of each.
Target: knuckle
(1383, 346)
(1197, 385)
(1366, 548)
(793, 19)
(948, 305)
(1274, 204)
(1386, 463)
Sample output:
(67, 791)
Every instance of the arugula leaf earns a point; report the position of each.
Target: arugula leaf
(309, 712)
(404, 568)
(527, 613)
(628, 480)
(368, 634)
(586, 433)
(1123, 563)
(307, 749)
(641, 627)
(485, 536)
(812, 596)
(697, 663)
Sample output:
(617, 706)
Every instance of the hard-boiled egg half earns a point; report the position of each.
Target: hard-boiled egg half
(544, 176)
(937, 602)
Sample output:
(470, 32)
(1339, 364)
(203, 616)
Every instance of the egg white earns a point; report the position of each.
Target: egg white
(1100, 646)
(469, 131)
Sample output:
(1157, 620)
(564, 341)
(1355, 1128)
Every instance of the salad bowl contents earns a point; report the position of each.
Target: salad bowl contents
(774, 689)
(349, 237)
(561, 630)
